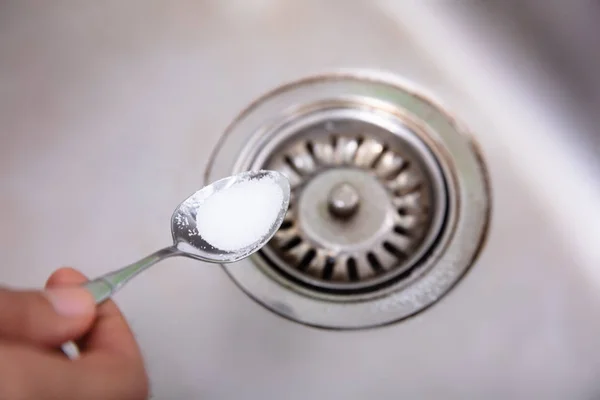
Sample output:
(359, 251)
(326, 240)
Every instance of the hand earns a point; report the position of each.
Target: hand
(33, 325)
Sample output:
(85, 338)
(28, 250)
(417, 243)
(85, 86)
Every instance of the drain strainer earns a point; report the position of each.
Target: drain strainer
(389, 205)
(368, 203)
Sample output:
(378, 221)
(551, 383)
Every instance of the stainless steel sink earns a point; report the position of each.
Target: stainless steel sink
(109, 112)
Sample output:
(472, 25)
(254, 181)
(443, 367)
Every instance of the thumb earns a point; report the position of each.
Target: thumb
(46, 318)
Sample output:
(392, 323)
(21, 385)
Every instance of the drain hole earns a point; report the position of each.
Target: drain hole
(286, 225)
(393, 173)
(393, 250)
(352, 270)
(403, 167)
(290, 163)
(310, 147)
(334, 139)
(307, 259)
(374, 262)
(328, 269)
(379, 156)
(295, 241)
(409, 190)
(402, 231)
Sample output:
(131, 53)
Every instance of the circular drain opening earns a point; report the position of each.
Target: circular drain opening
(389, 207)
(368, 202)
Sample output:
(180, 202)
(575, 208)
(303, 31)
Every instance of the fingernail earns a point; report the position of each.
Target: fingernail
(71, 302)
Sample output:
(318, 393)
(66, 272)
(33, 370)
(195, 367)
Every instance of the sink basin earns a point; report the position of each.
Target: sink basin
(110, 113)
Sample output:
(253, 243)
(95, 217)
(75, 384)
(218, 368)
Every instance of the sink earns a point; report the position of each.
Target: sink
(110, 113)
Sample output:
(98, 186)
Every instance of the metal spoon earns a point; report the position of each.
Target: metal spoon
(186, 240)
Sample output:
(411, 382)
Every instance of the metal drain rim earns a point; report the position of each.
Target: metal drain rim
(468, 174)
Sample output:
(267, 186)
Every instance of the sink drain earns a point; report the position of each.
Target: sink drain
(368, 203)
(389, 200)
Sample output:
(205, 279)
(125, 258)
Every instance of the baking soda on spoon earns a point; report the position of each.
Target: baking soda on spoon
(241, 214)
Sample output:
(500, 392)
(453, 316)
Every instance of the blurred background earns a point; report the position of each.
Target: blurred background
(110, 110)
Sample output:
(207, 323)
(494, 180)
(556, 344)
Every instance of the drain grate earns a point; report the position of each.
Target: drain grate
(363, 204)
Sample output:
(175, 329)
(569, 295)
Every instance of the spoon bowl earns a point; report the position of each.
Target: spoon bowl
(185, 232)
(186, 239)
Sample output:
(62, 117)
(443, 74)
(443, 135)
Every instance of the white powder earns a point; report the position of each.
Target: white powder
(240, 215)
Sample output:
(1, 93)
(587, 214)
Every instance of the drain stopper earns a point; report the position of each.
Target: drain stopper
(369, 203)
(343, 201)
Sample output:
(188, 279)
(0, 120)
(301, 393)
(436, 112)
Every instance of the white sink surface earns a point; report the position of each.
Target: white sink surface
(109, 112)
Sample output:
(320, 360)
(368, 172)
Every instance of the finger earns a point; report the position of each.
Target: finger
(46, 318)
(110, 345)
(65, 276)
(62, 277)
(110, 331)
(31, 373)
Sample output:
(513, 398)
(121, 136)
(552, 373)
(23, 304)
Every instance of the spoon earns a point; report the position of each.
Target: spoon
(187, 241)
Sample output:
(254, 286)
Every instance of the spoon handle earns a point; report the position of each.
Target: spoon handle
(106, 285)
(103, 287)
